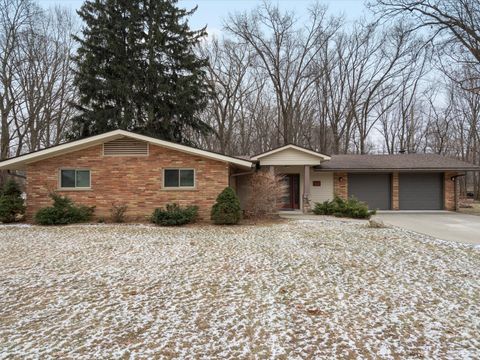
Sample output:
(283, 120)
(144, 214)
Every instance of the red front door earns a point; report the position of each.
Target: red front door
(291, 200)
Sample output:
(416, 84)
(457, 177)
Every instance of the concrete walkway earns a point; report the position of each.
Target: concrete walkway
(443, 225)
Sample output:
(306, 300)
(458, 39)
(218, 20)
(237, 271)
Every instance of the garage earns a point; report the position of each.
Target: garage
(373, 189)
(420, 191)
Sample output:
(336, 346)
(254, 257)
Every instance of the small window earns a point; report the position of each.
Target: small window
(73, 179)
(179, 178)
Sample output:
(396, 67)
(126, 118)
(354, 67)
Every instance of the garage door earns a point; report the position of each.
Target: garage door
(420, 191)
(374, 189)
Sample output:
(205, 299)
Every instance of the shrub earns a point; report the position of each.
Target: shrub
(63, 211)
(11, 202)
(174, 215)
(118, 212)
(265, 192)
(227, 209)
(351, 208)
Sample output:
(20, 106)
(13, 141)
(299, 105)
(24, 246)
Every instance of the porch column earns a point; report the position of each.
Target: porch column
(306, 189)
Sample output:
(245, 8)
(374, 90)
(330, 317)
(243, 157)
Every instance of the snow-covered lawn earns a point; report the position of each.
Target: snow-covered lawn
(301, 289)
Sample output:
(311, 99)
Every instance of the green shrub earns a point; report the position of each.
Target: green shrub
(63, 211)
(227, 208)
(174, 215)
(11, 202)
(351, 208)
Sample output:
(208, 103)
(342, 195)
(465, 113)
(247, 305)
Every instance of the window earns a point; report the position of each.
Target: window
(71, 178)
(178, 178)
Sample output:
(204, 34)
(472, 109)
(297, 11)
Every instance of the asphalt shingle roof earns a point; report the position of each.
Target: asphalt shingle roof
(427, 162)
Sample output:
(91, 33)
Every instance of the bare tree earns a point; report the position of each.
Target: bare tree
(231, 82)
(35, 76)
(15, 17)
(455, 22)
(286, 53)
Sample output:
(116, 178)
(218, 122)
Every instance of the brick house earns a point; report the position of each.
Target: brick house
(145, 173)
(122, 167)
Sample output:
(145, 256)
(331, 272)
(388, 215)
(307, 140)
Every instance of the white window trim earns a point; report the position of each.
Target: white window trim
(74, 188)
(179, 187)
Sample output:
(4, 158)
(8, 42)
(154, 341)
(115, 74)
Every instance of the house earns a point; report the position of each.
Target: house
(145, 173)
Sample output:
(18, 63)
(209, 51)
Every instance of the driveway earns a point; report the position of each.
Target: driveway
(443, 225)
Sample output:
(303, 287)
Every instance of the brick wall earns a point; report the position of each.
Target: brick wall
(395, 193)
(340, 188)
(136, 181)
(449, 191)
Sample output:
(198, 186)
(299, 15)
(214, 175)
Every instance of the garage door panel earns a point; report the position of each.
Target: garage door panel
(420, 191)
(373, 189)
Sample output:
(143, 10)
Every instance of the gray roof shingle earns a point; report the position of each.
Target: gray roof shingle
(400, 162)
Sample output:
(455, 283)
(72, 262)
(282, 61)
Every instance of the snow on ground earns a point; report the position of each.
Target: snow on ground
(303, 289)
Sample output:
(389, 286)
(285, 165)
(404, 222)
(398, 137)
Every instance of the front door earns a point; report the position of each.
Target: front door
(291, 200)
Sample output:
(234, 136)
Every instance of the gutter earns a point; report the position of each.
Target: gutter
(244, 173)
(369, 170)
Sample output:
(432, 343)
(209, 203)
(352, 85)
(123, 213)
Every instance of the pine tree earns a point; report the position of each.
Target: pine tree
(137, 70)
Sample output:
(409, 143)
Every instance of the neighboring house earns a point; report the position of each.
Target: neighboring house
(145, 173)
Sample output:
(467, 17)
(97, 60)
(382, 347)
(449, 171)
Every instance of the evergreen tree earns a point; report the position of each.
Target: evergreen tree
(11, 202)
(227, 209)
(137, 70)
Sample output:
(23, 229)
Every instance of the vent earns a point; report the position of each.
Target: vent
(125, 147)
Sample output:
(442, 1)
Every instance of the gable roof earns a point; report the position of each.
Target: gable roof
(399, 162)
(19, 162)
(290, 146)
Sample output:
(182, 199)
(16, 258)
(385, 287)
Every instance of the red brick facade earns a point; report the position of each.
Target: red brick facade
(134, 180)
(340, 185)
(449, 191)
(395, 192)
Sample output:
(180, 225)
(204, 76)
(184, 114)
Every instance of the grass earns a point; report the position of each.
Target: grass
(474, 210)
(298, 289)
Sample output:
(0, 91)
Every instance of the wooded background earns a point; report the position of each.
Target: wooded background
(408, 78)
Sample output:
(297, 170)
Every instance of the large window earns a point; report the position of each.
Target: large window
(74, 179)
(178, 178)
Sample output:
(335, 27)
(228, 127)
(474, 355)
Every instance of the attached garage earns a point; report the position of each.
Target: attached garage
(420, 191)
(373, 189)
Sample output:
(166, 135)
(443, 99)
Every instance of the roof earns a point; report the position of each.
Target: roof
(290, 146)
(399, 162)
(19, 162)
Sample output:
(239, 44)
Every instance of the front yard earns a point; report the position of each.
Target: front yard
(301, 289)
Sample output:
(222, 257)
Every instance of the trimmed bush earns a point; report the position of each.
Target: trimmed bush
(338, 207)
(63, 211)
(11, 202)
(226, 210)
(174, 215)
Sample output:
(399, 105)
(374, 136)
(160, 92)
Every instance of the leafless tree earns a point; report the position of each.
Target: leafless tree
(455, 23)
(35, 76)
(231, 82)
(286, 52)
(15, 17)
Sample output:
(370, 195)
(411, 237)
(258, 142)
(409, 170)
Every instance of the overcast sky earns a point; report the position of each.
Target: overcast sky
(213, 12)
